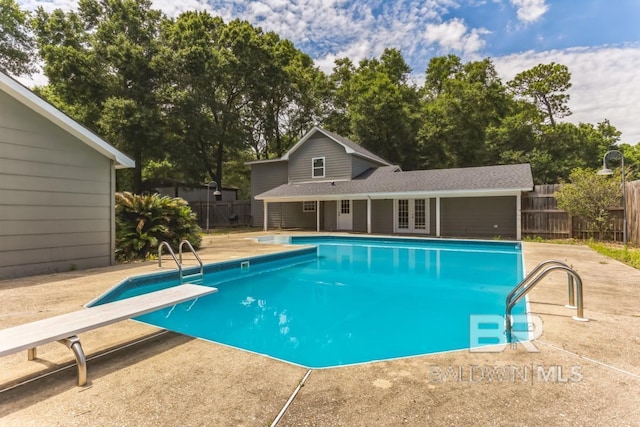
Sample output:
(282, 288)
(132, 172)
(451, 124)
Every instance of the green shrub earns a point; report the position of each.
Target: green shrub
(143, 222)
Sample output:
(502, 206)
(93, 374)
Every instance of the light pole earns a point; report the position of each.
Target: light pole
(215, 193)
(606, 171)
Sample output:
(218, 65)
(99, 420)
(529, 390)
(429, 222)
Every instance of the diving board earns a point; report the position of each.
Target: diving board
(65, 327)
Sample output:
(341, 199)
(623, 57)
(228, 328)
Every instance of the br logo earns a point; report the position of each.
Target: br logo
(487, 332)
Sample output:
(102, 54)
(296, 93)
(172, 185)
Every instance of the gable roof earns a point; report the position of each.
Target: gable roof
(385, 182)
(349, 146)
(29, 99)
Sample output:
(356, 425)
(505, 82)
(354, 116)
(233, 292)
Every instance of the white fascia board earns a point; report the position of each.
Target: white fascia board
(403, 195)
(29, 99)
(259, 162)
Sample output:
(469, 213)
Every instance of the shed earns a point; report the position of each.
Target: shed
(57, 185)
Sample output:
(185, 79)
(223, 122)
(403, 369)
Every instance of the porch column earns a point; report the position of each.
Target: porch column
(266, 208)
(317, 215)
(437, 216)
(369, 215)
(518, 216)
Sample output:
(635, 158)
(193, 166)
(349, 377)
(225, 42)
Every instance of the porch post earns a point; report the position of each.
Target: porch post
(369, 215)
(317, 215)
(518, 216)
(437, 216)
(266, 208)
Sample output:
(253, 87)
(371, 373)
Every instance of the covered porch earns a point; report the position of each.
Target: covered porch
(477, 214)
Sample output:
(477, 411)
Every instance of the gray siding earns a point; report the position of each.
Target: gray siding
(359, 215)
(359, 165)
(478, 217)
(432, 217)
(337, 161)
(55, 197)
(294, 217)
(330, 216)
(382, 216)
(264, 177)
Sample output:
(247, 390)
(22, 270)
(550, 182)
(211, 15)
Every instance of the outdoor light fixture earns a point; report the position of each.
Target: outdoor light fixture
(215, 193)
(606, 171)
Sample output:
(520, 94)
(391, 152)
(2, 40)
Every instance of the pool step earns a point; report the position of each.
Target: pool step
(195, 278)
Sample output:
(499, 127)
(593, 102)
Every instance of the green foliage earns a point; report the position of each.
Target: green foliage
(629, 256)
(101, 65)
(16, 44)
(545, 85)
(590, 196)
(143, 222)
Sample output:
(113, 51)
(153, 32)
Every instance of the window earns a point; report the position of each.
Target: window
(309, 206)
(317, 167)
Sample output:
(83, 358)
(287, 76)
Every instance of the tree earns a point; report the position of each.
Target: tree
(590, 196)
(379, 105)
(100, 62)
(461, 103)
(16, 43)
(545, 86)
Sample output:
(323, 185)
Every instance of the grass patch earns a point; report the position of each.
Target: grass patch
(630, 256)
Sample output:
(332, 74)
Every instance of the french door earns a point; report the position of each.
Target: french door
(411, 216)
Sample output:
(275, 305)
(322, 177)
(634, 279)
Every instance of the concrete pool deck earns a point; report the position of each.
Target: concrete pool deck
(584, 373)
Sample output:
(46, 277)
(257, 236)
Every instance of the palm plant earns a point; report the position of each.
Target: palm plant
(143, 221)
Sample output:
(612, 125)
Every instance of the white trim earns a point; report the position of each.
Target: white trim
(265, 217)
(30, 100)
(347, 149)
(305, 206)
(368, 215)
(257, 162)
(399, 195)
(411, 212)
(518, 216)
(438, 232)
(317, 215)
(314, 167)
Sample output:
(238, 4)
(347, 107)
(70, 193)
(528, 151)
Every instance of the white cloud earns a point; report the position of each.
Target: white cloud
(454, 35)
(605, 83)
(530, 10)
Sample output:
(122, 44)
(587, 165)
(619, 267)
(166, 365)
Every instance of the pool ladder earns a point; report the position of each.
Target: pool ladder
(195, 278)
(574, 285)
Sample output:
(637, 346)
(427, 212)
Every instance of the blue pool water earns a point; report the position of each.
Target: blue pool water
(346, 300)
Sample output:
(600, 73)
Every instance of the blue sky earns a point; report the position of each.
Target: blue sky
(599, 40)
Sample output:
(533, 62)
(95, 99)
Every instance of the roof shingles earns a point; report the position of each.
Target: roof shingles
(390, 179)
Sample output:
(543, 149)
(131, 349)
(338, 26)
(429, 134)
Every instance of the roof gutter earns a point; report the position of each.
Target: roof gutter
(398, 195)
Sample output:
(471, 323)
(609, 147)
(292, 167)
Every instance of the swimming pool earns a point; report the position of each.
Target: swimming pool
(345, 300)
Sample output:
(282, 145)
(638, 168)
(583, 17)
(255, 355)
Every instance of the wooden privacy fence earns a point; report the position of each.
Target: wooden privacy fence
(235, 213)
(542, 217)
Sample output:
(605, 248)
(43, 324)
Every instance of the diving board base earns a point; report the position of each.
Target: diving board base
(66, 327)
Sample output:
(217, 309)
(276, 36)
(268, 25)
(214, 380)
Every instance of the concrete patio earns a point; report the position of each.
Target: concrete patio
(584, 373)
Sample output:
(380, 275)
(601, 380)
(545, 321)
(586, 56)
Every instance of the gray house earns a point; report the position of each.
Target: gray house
(57, 185)
(329, 183)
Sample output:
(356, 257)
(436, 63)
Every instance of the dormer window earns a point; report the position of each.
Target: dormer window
(317, 167)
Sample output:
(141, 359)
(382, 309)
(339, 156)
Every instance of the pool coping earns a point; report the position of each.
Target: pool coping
(178, 380)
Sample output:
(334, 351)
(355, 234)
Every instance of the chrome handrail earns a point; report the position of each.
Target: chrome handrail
(533, 278)
(173, 255)
(190, 247)
(539, 267)
(179, 261)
